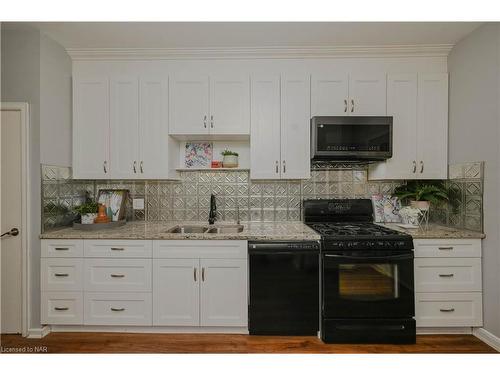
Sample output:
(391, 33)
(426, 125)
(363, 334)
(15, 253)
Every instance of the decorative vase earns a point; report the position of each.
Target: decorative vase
(230, 161)
(101, 215)
(421, 205)
(88, 218)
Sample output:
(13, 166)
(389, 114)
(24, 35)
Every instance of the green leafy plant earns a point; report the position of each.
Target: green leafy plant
(434, 192)
(88, 207)
(227, 152)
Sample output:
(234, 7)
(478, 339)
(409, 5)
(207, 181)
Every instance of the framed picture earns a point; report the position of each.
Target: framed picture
(386, 208)
(198, 154)
(115, 201)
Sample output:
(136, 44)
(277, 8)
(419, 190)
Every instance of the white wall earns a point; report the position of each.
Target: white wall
(474, 123)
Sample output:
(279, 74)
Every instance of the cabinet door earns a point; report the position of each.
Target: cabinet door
(124, 142)
(329, 95)
(176, 292)
(91, 127)
(432, 126)
(295, 127)
(402, 106)
(367, 95)
(153, 130)
(230, 105)
(224, 300)
(265, 151)
(188, 105)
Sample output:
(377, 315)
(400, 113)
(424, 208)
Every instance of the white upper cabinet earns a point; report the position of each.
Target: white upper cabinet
(124, 120)
(265, 152)
(229, 105)
(329, 95)
(91, 127)
(432, 126)
(188, 105)
(367, 95)
(295, 127)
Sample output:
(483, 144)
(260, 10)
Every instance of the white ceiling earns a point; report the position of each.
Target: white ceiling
(254, 34)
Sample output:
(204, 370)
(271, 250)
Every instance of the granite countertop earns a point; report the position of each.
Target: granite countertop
(156, 230)
(437, 231)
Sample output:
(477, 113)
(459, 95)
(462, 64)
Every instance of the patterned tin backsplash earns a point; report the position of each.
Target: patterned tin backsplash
(254, 200)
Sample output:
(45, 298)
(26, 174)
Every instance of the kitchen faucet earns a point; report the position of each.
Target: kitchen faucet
(212, 216)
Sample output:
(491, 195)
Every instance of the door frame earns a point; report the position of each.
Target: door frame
(25, 207)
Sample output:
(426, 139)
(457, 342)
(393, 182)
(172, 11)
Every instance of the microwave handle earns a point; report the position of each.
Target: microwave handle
(389, 257)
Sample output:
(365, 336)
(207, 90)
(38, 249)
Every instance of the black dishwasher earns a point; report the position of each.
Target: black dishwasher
(284, 288)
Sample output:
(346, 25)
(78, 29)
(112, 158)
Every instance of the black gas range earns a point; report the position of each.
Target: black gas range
(367, 290)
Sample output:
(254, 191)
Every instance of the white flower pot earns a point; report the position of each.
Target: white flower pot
(422, 205)
(230, 161)
(88, 218)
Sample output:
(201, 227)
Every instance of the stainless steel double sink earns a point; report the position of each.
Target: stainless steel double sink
(207, 229)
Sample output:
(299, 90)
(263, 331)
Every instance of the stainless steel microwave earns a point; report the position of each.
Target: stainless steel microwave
(353, 138)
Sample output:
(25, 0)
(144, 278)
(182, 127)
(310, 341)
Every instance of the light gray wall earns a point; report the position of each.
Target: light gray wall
(37, 70)
(474, 122)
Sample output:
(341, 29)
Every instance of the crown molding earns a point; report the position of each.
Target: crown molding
(422, 50)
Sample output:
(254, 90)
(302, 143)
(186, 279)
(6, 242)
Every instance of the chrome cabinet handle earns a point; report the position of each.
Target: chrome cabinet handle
(421, 166)
(284, 166)
(194, 273)
(212, 121)
(117, 248)
(61, 275)
(345, 105)
(352, 105)
(447, 310)
(446, 275)
(414, 166)
(117, 275)
(445, 248)
(202, 273)
(61, 308)
(61, 248)
(205, 121)
(135, 166)
(115, 309)
(105, 166)
(140, 166)
(277, 167)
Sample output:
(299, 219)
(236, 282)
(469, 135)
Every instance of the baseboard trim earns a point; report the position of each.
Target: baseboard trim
(444, 331)
(38, 333)
(149, 329)
(487, 337)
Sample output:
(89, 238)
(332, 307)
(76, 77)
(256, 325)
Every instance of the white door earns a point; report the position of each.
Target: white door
(11, 247)
(91, 127)
(265, 159)
(367, 95)
(402, 106)
(223, 293)
(176, 292)
(329, 95)
(432, 126)
(295, 127)
(230, 105)
(188, 105)
(153, 128)
(124, 120)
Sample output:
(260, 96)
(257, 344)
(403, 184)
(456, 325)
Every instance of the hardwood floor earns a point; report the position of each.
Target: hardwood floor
(222, 343)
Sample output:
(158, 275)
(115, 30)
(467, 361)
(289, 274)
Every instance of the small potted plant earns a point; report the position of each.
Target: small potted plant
(88, 211)
(422, 194)
(230, 159)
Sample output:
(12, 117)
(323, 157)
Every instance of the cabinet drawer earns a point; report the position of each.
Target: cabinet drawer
(62, 248)
(448, 275)
(207, 249)
(61, 274)
(117, 275)
(117, 249)
(62, 308)
(118, 309)
(444, 248)
(448, 309)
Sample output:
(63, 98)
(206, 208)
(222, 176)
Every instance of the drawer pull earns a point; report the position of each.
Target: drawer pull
(61, 248)
(117, 248)
(446, 275)
(115, 309)
(61, 275)
(447, 310)
(117, 275)
(445, 248)
(61, 308)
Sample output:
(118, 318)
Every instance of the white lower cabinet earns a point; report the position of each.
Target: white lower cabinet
(62, 308)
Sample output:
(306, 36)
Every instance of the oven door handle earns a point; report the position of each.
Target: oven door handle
(389, 257)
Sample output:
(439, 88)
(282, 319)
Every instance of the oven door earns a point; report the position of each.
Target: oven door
(355, 285)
